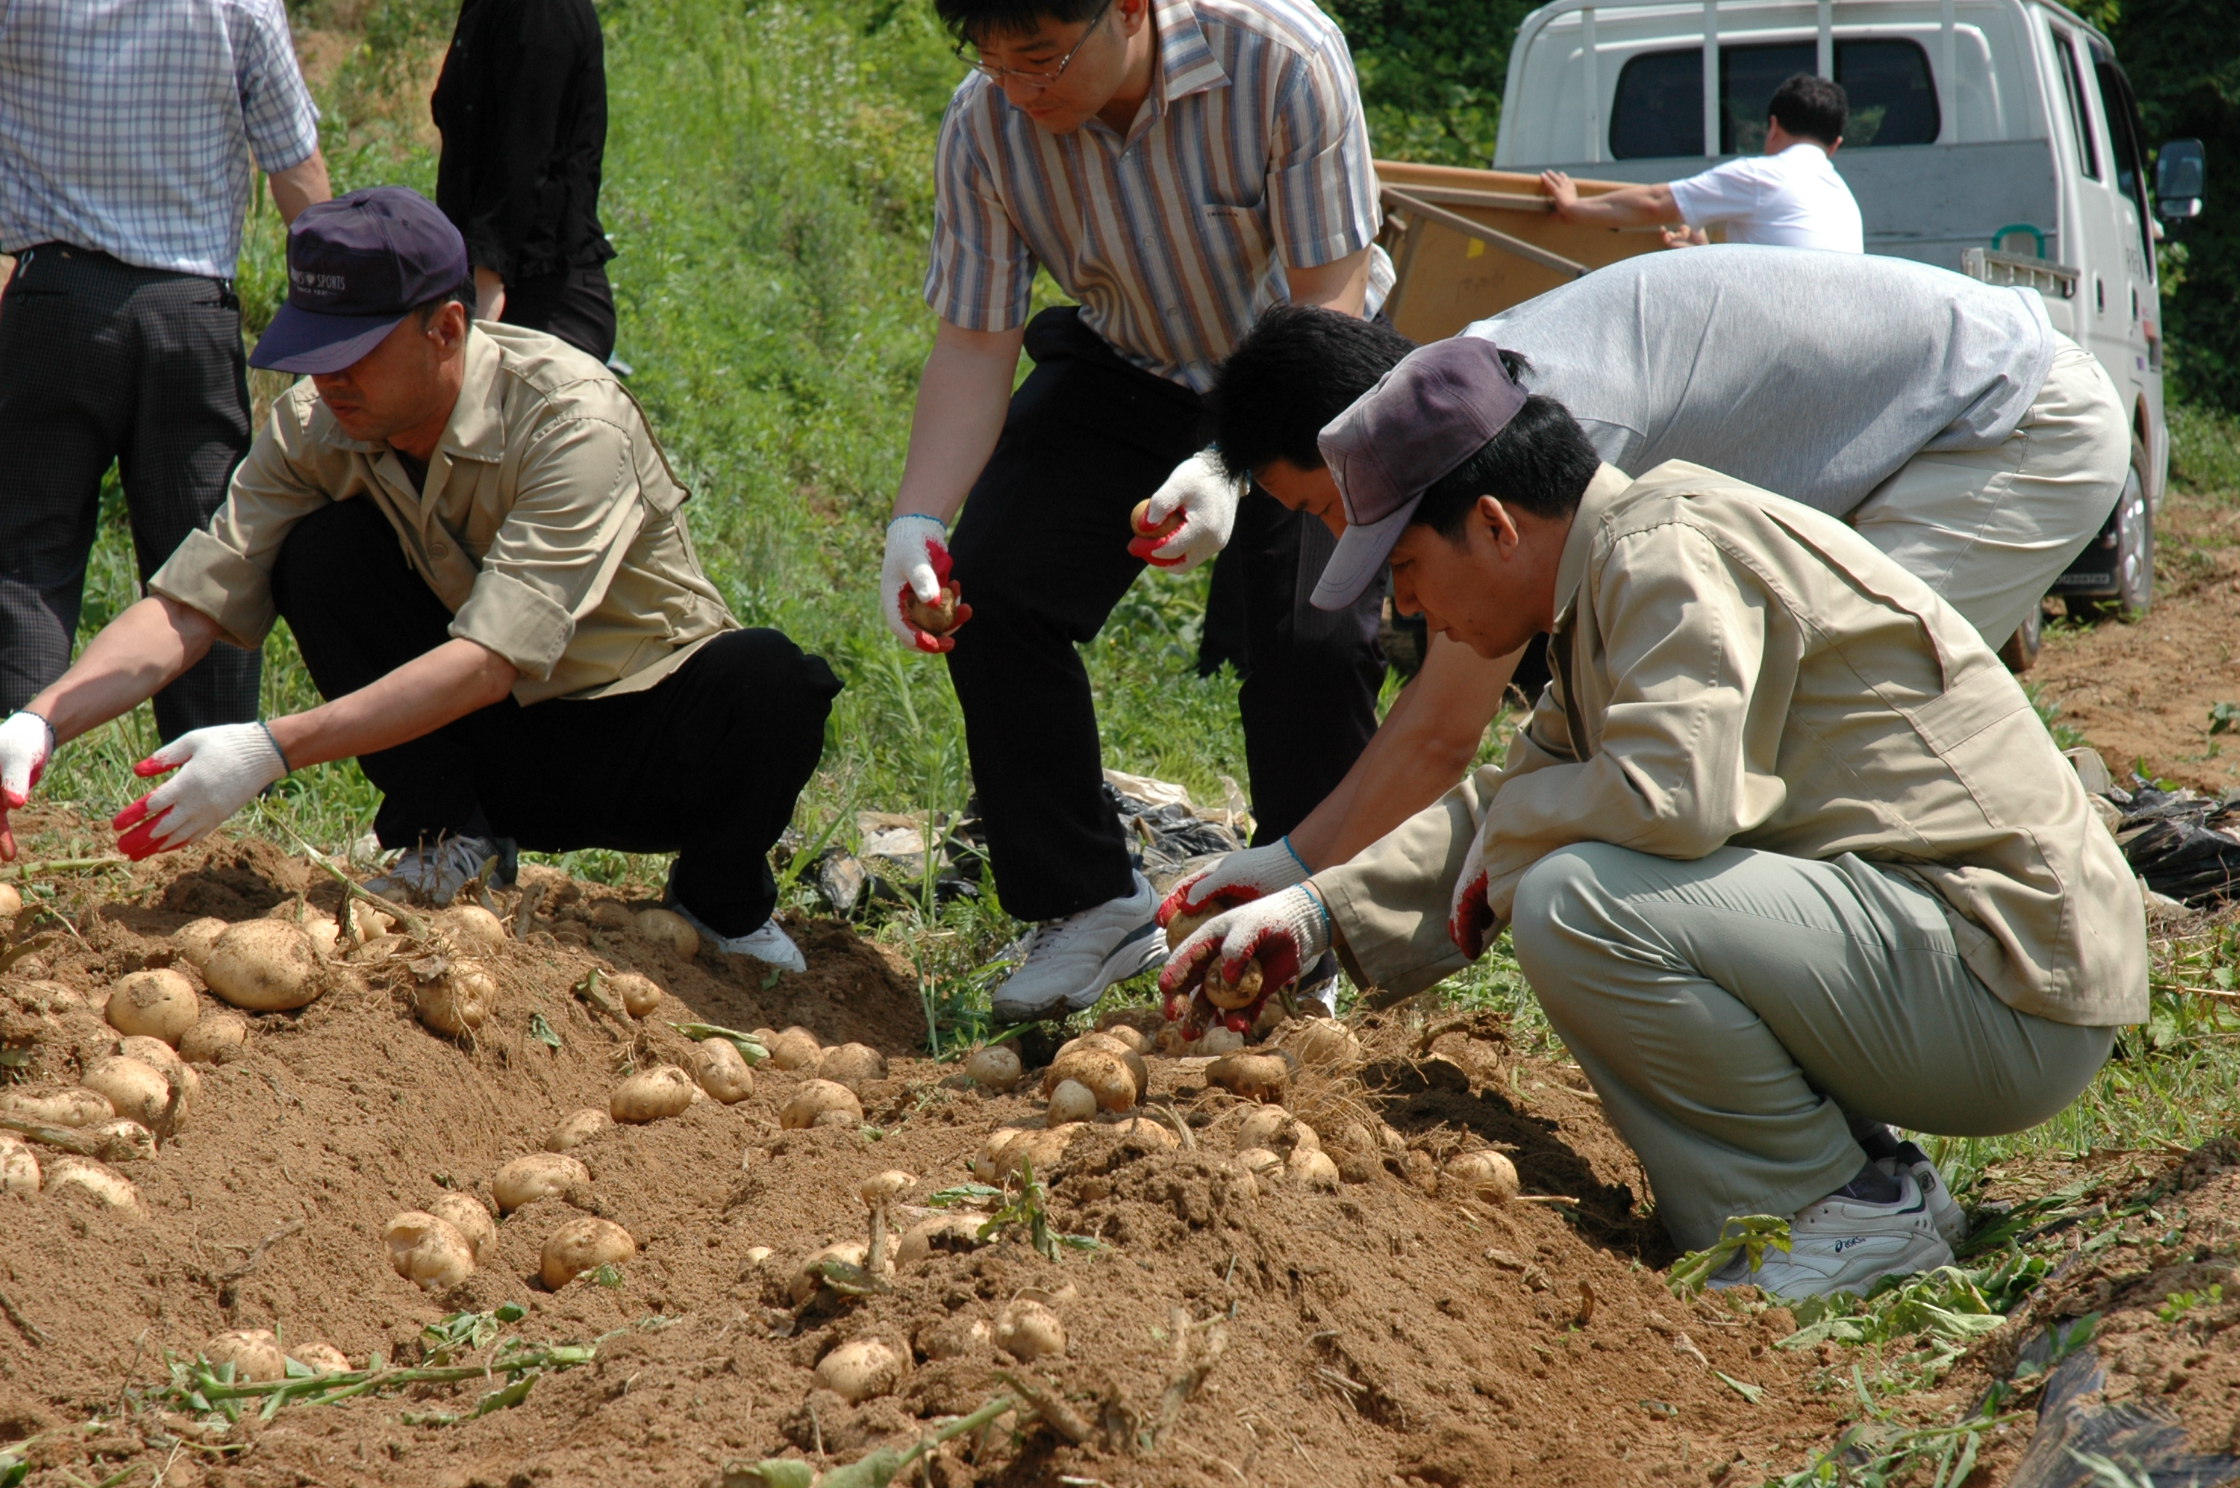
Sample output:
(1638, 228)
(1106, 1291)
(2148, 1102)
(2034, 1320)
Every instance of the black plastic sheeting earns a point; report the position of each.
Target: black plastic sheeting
(2183, 845)
(2080, 1436)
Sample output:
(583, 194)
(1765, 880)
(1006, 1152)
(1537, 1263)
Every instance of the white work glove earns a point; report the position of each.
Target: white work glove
(1286, 932)
(224, 768)
(1206, 496)
(917, 564)
(1470, 920)
(26, 743)
(1237, 879)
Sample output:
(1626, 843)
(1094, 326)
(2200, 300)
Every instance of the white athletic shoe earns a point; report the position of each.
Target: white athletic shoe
(1951, 1220)
(1070, 962)
(766, 942)
(1842, 1244)
(434, 872)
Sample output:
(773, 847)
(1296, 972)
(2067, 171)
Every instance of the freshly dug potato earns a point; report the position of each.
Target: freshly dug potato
(858, 1370)
(322, 1358)
(584, 1243)
(1323, 1041)
(997, 1067)
(1242, 993)
(133, 1089)
(19, 1165)
(164, 1059)
(215, 1038)
(1260, 1162)
(946, 1234)
(122, 1139)
(1481, 1175)
(266, 966)
(196, 937)
(851, 1064)
(806, 1281)
(1259, 1077)
(11, 901)
(75, 1107)
(1220, 1041)
(473, 927)
(458, 1002)
(1142, 525)
(85, 1175)
(1106, 1076)
(1027, 1330)
(254, 1354)
(427, 1250)
(757, 1254)
(1311, 1167)
(954, 1338)
(1071, 1102)
(1008, 1149)
(464, 1213)
(540, 1175)
(577, 1128)
(722, 1070)
(1185, 925)
(796, 1048)
(665, 927)
(881, 1188)
(649, 1095)
(938, 618)
(1275, 1128)
(640, 994)
(158, 1004)
(1129, 1035)
(1110, 1042)
(610, 914)
(812, 1100)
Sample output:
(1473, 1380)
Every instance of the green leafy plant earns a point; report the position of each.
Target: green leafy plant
(1747, 1235)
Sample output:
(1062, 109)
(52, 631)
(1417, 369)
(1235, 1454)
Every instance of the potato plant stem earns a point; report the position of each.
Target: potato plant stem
(23, 872)
(358, 1381)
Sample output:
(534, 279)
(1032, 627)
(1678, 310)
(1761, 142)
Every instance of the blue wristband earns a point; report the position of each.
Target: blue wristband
(918, 517)
(1285, 843)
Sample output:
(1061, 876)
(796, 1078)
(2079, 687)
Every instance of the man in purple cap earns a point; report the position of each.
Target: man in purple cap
(481, 551)
(1783, 851)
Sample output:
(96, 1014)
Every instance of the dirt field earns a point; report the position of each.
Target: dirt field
(1226, 1330)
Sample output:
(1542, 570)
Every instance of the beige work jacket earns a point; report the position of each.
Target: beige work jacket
(549, 525)
(1734, 668)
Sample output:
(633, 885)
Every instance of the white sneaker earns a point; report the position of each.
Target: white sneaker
(1070, 962)
(1951, 1220)
(1842, 1244)
(434, 872)
(766, 942)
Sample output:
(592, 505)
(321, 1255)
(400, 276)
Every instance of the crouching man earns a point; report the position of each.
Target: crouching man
(1783, 851)
(482, 554)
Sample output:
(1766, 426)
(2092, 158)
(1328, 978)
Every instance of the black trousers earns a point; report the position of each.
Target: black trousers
(102, 362)
(706, 763)
(577, 305)
(1042, 557)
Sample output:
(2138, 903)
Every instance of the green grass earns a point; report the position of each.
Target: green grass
(2205, 452)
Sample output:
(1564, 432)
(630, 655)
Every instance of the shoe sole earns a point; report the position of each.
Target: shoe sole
(1144, 948)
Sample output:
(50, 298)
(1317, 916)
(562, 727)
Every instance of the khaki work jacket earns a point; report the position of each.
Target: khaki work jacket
(1734, 668)
(549, 523)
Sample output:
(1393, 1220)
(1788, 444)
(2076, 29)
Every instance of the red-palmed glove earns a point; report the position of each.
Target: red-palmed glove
(1285, 932)
(1206, 496)
(1470, 921)
(917, 566)
(1238, 878)
(26, 744)
(221, 769)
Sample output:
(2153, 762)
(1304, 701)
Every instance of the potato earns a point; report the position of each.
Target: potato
(427, 1250)
(254, 1354)
(1106, 1076)
(1009, 1149)
(266, 966)
(464, 1213)
(133, 1089)
(1071, 1102)
(11, 901)
(1143, 527)
(1311, 1167)
(806, 1282)
(74, 1107)
(196, 938)
(216, 1038)
(757, 1254)
(577, 1128)
(1112, 1043)
(722, 1070)
(652, 1094)
(851, 1064)
(945, 1234)
(158, 1004)
(955, 1337)
(995, 1066)
(1220, 1041)
(163, 1059)
(19, 1165)
(540, 1175)
(473, 928)
(84, 1175)
(938, 618)
(1323, 1041)
(1259, 1077)
(1027, 1330)
(665, 927)
(796, 1048)
(640, 994)
(1481, 1175)
(858, 1370)
(1260, 1162)
(609, 914)
(1274, 1127)
(122, 1140)
(458, 1002)
(584, 1243)
(1184, 925)
(322, 1358)
(814, 1099)
(1129, 1035)
(1242, 993)
(882, 1188)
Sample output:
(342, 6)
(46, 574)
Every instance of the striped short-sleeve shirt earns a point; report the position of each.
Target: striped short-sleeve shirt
(1250, 153)
(129, 125)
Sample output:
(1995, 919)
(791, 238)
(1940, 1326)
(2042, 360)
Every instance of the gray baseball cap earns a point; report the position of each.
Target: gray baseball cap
(1397, 440)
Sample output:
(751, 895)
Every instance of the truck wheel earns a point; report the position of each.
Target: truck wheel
(2134, 594)
(2020, 653)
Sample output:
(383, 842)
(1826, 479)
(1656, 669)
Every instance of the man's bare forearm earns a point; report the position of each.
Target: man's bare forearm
(416, 699)
(962, 398)
(1342, 284)
(132, 659)
(301, 185)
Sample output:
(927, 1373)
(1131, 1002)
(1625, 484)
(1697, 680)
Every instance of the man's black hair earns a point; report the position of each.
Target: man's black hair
(1811, 108)
(974, 21)
(1297, 369)
(1539, 462)
(463, 292)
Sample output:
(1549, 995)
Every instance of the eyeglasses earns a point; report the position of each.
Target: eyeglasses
(1033, 77)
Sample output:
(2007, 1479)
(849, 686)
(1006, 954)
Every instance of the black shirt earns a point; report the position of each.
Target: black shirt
(522, 106)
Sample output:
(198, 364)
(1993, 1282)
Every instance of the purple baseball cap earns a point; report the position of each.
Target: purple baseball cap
(1397, 440)
(356, 266)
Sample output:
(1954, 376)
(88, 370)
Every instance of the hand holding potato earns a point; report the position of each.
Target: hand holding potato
(1203, 494)
(1234, 961)
(1237, 879)
(26, 742)
(920, 603)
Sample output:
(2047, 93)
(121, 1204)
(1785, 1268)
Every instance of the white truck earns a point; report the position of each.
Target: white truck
(1994, 137)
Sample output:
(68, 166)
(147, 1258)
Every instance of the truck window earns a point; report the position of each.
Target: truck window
(2126, 143)
(1658, 107)
(2072, 94)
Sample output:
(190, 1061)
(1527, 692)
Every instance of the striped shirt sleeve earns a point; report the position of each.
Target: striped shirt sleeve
(1322, 183)
(279, 118)
(981, 274)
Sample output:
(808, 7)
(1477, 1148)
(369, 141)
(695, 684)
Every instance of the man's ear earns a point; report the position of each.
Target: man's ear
(1134, 15)
(1500, 521)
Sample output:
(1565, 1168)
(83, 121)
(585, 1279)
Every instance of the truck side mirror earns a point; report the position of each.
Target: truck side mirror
(2180, 173)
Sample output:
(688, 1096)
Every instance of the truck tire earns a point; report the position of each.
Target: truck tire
(2134, 594)
(2020, 653)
